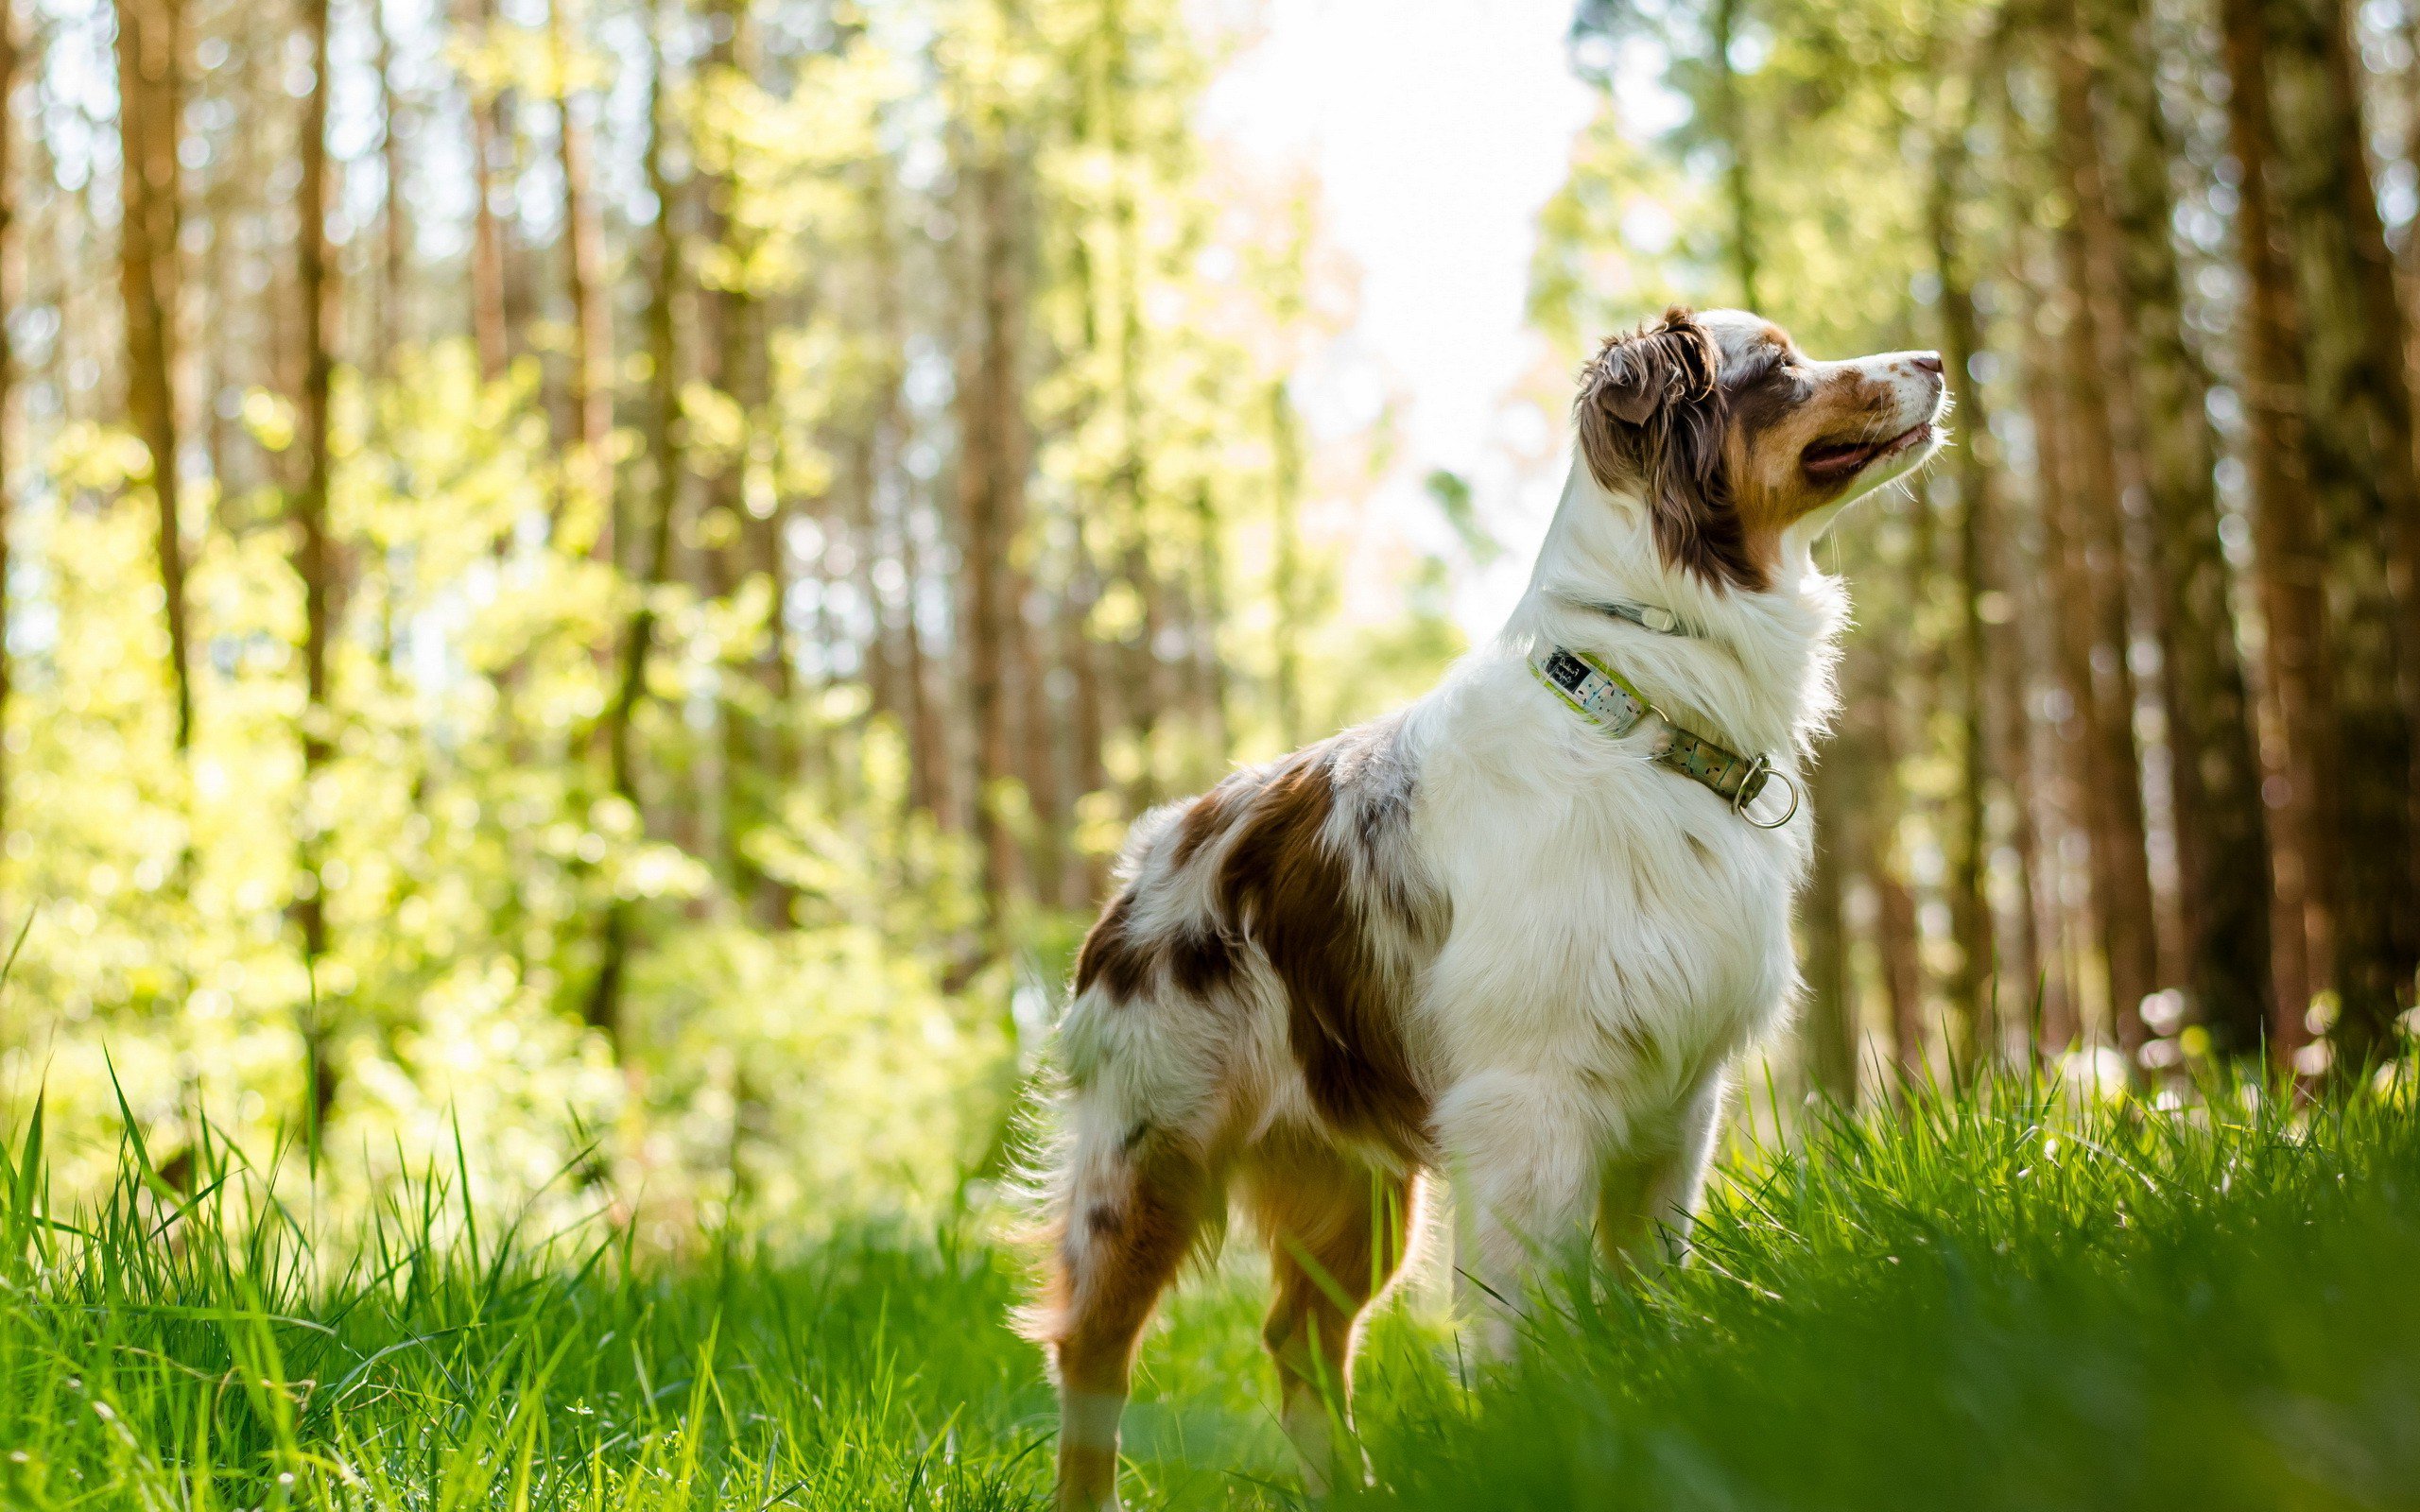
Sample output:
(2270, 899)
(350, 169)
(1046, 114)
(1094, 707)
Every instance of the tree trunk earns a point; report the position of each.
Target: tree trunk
(1738, 188)
(1209, 614)
(150, 59)
(2223, 848)
(2360, 437)
(490, 326)
(2290, 561)
(990, 474)
(1286, 489)
(394, 233)
(1976, 989)
(1828, 1030)
(663, 450)
(2092, 541)
(1867, 801)
(590, 391)
(2077, 736)
(1082, 887)
(8, 374)
(313, 562)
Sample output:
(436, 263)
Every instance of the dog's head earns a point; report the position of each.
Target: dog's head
(1731, 437)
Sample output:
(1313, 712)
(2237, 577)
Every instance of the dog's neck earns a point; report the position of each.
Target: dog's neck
(1755, 669)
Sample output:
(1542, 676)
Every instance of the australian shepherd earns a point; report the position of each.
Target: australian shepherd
(1510, 937)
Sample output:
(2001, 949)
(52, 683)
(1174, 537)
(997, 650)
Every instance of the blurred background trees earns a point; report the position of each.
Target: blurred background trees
(605, 575)
(2127, 760)
(613, 571)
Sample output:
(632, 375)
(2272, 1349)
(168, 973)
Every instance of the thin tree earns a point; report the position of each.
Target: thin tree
(664, 447)
(1731, 124)
(1828, 1033)
(1970, 914)
(2289, 565)
(991, 487)
(8, 365)
(150, 59)
(2107, 459)
(590, 391)
(2359, 436)
(394, 232)
(2214, 774)
(314, 563)
(490, 324)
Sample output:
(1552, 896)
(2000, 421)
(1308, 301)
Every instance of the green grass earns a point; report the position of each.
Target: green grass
(1977, 1302)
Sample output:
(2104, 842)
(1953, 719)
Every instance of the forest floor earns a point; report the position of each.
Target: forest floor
(1965, 1302)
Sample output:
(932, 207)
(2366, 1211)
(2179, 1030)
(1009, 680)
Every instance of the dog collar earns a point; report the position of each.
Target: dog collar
(1606, 699)
(1646, 616)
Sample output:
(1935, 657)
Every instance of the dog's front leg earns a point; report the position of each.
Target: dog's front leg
(1521, 1150)
(1648, 1197)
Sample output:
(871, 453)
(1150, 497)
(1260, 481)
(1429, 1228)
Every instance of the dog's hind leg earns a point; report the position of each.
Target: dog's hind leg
(1132, 1204)
(1336, 1231)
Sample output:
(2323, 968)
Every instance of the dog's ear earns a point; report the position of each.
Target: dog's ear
(1635, 376)
(1650, 421)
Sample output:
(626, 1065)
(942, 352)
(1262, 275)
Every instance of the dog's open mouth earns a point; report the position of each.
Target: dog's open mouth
(1832, 461)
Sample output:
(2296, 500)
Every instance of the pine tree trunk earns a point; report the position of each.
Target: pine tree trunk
(1285, 587)
(1209, 614)
(591, 388)
(313, 562)
(490, 327)
(1976, 989)
(2040, 747)
(2361, 448)
(1866, 799)
(8, 378)
(663, 450)
(2222, 847)
(2093, 541)
(1086, 881)
(991, 505)
(2121, 548)
(151, 61)
(2359, 440)
(394, 232)
(1828, 1030)
(2078, 737)
(2298, 682)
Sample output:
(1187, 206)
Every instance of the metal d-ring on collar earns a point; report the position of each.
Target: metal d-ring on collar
(1606, 698)
(1761, 771)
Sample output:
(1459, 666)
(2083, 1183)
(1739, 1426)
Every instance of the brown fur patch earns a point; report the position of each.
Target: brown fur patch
(1111, 956)
(1200, 960)
(1337, 1232)
(1653, 416)
(1206, 818)
(1288, 890)
(1109, 1263)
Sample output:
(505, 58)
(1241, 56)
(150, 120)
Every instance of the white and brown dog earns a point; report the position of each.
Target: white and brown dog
(1512, 936)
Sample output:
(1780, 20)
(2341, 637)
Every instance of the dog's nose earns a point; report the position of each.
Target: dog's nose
(1928, 361)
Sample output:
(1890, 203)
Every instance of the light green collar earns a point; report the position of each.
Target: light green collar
(1605, 698)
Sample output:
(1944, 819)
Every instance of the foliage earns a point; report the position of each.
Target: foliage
(1988, 1299)
(760, 965)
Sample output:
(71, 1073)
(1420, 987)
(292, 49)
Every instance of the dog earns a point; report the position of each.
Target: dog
(1511, 937)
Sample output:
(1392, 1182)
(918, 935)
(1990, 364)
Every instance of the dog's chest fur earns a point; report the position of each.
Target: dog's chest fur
(1614, 923)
